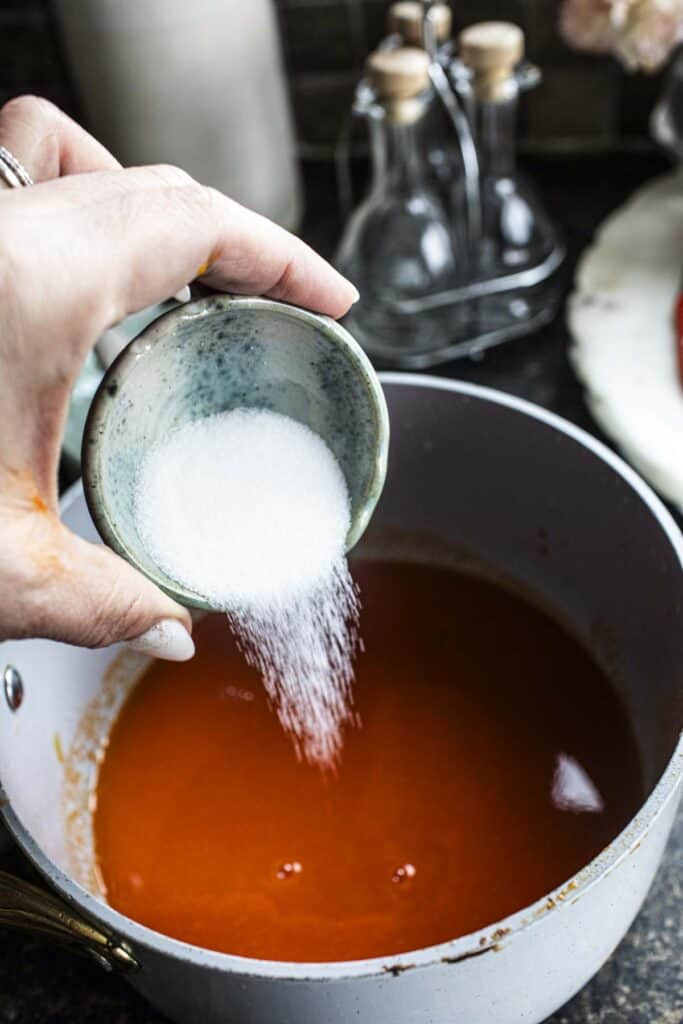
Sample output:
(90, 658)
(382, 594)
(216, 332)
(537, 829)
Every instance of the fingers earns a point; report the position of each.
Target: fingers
(168, 230)
(194, 232)
(54, 584)
(47, 142)
(87, 595)
(188, 231)
(253, 255)
(105, 600)
(148, 231)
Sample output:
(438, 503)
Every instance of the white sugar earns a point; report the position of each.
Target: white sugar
(250, 510)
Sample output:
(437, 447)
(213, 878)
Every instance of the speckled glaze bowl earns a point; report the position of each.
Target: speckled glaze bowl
(224, 352)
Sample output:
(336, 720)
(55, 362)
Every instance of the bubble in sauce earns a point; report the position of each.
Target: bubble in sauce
(403, 873)
(289, 869)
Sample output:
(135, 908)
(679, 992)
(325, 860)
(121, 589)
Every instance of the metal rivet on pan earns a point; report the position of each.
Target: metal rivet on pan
(14, 687)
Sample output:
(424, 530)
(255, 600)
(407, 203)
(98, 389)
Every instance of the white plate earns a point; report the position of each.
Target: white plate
(621, 319)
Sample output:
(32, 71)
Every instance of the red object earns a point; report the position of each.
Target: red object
(678, 326)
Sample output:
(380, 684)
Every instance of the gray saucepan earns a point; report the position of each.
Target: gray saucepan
(474, 477)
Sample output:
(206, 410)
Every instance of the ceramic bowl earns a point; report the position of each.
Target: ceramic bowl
(91, 374)
(224, 352)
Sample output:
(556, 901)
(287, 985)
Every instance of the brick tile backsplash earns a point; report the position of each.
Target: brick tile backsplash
(321, 104)
(583, 99)
(320, 37)
(30, 60)
(21, 10)
(637, 95)
(465, 12)
(30, 57)
(592, 86)
(543, 39)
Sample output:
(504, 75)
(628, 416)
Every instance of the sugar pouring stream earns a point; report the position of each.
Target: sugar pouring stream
(233, 453)
(260, 532)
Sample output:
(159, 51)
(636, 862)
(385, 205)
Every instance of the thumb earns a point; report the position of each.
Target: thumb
(94, 598)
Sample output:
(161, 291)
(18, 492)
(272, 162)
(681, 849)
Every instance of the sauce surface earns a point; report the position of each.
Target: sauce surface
(493, 761)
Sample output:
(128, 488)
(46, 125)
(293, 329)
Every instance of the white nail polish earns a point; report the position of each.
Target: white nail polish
(109, 344)
(184, 295)
(168, 639)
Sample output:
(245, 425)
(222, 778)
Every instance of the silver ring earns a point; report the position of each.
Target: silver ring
(12, 171)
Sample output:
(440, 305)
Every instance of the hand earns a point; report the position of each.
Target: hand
(77, 254)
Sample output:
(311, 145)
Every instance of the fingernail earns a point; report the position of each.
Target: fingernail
(184, 295)
(357, 296)
(168, 639)
(109, 344)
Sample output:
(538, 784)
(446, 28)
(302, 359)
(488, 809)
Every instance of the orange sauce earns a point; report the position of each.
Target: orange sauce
(440, 820)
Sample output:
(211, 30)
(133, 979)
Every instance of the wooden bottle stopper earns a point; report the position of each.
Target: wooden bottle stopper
(491, 49)
(406, 18)
(399, 77)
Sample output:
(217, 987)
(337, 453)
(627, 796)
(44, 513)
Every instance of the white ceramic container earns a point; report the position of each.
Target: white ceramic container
(199, 85)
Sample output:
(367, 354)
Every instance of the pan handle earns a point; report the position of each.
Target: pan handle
(25, 906)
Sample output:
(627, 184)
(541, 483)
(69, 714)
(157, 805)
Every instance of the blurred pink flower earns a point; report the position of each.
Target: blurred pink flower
(641, 33)
(587, 24)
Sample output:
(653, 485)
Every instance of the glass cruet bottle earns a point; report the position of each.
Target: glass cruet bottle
(398, 243)
(516, 231)
(407, 22)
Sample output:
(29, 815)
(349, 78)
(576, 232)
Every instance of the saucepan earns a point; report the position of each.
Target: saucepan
(475, 476)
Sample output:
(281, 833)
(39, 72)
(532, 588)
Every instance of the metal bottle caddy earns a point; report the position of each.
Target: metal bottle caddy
(452, 83)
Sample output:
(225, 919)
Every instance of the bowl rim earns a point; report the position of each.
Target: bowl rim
(464, 947)
(143, 344)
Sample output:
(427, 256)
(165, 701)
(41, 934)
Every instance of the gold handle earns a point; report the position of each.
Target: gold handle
(25, 906)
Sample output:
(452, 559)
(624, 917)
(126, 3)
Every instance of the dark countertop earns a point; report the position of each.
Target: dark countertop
(642, 983)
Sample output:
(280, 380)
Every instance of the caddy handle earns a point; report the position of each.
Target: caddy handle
(25, 906)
